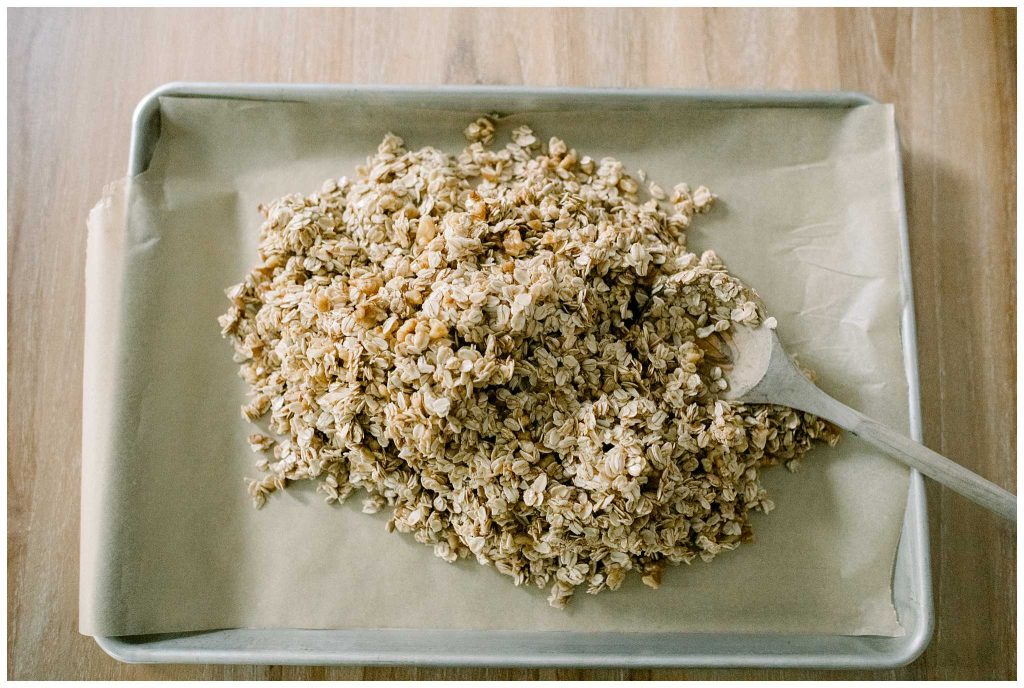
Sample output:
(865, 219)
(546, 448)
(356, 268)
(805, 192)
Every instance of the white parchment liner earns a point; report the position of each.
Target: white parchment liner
(809, 217)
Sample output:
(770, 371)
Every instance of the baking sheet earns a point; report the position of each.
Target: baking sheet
(170, 542)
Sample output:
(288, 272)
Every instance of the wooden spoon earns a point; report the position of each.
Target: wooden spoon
(762, 373)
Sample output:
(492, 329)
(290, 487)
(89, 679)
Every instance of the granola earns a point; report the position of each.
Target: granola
(516, 355)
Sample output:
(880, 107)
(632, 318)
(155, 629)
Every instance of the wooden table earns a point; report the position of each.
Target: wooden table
(75, 75)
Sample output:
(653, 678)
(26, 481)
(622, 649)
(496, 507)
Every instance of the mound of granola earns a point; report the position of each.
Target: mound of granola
(515, 355)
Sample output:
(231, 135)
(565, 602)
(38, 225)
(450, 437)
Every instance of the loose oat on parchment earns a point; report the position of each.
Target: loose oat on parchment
(516, 355)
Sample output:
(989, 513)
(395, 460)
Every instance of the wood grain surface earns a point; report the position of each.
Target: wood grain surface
(74, 77)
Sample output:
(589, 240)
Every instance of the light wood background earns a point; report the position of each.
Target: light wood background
(74, 77)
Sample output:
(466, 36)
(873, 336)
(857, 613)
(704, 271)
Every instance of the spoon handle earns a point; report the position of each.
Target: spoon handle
(904, 449)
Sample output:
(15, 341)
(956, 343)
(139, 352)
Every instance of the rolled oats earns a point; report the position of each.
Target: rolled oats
(515, 356)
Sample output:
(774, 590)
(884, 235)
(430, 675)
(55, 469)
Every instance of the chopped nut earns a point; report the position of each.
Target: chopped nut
(513, 243)
(426, 230)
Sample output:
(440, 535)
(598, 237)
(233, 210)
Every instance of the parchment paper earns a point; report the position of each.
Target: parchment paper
(170, 540)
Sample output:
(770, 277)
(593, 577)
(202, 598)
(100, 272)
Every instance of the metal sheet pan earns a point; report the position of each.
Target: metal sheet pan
(911, 576)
